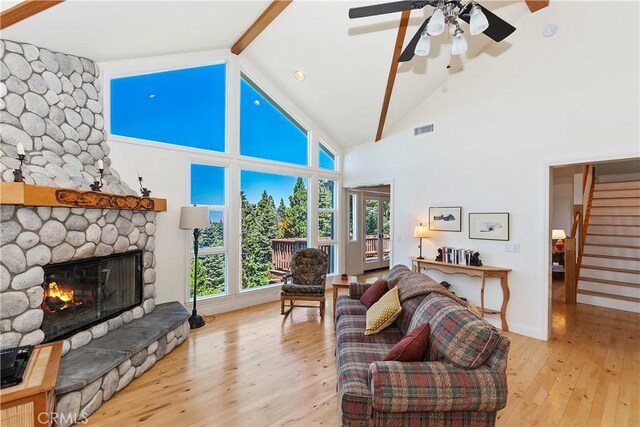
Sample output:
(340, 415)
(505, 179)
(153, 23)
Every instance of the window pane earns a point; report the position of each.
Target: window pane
(274, 225)
(183, 107)
(267, 131)
(326, 226)
(213, 236)
(353, 232)
(326, 159)
(211, 274)
(326, 194)
(332, 252)
(207, 185)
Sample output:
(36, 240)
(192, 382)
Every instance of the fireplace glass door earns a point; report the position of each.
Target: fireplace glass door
(80, 294)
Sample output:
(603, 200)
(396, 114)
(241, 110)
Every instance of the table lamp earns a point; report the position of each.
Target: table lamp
(558, 235)
(194, 217)
(421, 231)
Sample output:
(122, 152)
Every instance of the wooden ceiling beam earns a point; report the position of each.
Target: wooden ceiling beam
(393, 70)
(535, 5)
(260, 24)
(24, 10)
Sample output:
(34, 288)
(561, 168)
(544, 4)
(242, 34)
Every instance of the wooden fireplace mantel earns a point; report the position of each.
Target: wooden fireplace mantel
(19, 193)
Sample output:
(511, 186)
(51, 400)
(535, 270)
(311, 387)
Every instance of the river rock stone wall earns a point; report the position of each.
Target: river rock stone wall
(34, 237)
(51, 103)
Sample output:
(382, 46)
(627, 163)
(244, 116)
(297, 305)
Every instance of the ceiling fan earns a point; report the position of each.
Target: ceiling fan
(446, 13)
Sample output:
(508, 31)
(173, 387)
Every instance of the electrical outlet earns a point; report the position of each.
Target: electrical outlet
(512, 247)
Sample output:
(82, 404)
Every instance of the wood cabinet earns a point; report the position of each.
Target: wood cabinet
(31, 403)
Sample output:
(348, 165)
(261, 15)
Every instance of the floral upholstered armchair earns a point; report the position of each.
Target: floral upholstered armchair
(306, 279)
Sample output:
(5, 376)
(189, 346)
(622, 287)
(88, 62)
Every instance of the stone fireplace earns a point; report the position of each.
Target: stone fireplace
(51, 103)
(84, 293)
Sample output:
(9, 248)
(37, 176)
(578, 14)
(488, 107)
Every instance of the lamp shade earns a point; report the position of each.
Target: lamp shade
(194, 217)
(558, 234)
(436, 23)
(478, 22)
(424, 45)
(421, 231)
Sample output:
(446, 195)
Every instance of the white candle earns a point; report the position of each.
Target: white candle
(100, 164)
(20, 149)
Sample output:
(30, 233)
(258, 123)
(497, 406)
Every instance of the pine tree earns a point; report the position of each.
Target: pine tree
(325, 200)
(296, 215)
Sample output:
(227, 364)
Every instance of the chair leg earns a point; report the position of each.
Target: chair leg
(281, 305)
(322, 308)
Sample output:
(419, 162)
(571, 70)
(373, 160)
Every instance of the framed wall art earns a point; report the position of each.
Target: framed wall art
(489, 226)
(445, 219)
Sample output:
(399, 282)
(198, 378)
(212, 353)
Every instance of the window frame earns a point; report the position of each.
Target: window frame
(322, 145)
(224, 249)
(284, 111)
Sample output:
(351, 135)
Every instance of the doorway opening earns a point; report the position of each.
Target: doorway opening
(369, 231)
(594, 251)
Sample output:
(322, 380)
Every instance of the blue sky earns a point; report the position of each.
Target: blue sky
(187, 107)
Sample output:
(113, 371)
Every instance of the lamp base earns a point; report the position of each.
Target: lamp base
(196, 321)
(420, 257)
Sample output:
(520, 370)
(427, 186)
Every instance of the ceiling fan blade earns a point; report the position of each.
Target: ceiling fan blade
(408, 52)
(381, 9)
(498, 30)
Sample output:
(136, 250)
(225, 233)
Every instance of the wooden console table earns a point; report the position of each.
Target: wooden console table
(483, 272)
(31, 402)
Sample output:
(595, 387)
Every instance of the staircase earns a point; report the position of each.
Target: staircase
(610, 271)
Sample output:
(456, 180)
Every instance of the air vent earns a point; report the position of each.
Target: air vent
(423, 129)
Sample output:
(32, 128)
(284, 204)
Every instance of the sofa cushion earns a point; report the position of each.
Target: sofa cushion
(457, 335)
(408, 309)
(353, 360)
(350, 329)
(396, 272)
(411, 348)
(374, 293)
(383, 313)
(346, 305)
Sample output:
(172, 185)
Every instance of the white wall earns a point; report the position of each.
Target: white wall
(500, 124)
(166, 173)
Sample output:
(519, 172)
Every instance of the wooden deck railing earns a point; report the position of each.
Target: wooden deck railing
(371, 246)
(282, 249)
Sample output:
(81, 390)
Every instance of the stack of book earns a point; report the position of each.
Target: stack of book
(456, 255)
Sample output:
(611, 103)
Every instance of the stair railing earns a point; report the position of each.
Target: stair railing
(570, 262)
(588, 183)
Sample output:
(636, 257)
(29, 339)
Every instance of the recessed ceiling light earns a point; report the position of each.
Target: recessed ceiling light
(299, 75)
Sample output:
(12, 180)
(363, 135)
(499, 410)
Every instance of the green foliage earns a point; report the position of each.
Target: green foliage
(262, 222)
(210, 275)
(295, 216)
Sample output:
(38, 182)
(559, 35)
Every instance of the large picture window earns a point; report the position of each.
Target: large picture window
(326, 157)
(183, 107)
(208, 189)
(266, 130)
(327, 215)
(274, 225)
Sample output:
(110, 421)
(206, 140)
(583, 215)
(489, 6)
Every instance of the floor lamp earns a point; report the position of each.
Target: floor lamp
(195, 217)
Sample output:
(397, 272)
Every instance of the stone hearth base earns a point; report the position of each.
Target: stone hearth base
(91, 375)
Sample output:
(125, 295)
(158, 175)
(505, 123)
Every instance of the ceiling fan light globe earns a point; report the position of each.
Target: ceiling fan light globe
(436, 23)
(478, 22)
(424, 45)
(459, 44)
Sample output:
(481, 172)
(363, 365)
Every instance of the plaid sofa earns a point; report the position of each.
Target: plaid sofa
(462, 382)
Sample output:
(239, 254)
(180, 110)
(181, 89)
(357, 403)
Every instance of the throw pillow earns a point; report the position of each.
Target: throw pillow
(411, 348)
(383, 313)
(374, 293)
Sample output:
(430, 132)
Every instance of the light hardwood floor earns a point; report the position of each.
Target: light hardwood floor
(254, 367)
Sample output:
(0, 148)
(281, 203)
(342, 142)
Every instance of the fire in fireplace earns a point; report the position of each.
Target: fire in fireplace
(80, 294)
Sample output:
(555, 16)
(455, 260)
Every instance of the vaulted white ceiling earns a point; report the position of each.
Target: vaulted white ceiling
(346, 62)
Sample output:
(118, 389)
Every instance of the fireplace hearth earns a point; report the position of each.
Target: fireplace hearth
(82, 293)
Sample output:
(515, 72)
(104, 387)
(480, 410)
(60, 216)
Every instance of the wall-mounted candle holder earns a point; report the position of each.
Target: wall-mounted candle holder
(145, 192)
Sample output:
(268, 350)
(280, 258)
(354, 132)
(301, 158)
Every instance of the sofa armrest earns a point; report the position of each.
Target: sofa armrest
(435, 387)
(357, 289)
